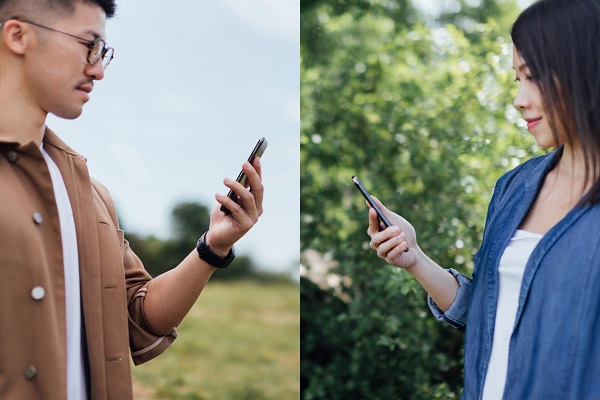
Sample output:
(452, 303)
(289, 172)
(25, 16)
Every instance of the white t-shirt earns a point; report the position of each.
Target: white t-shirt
(76, 382)
(510, 275)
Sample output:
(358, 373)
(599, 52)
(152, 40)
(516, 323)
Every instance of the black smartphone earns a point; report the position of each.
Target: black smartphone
(258, 151)
(367, 196)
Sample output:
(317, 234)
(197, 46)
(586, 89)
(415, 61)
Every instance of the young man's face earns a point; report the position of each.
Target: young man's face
(57, 73)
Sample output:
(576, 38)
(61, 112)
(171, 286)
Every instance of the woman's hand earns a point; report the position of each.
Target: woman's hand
(391, 243)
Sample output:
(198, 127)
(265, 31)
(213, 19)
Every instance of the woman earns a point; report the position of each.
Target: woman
(531, 312)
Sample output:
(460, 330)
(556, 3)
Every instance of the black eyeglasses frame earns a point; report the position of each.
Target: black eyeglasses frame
(106, 54)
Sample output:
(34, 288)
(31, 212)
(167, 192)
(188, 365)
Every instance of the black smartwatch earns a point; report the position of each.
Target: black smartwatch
(211, 257)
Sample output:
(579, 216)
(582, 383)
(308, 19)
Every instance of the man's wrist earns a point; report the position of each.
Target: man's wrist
(215, 249)
(212, 257)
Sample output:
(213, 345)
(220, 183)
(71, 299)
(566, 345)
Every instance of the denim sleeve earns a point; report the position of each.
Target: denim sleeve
(457, 313)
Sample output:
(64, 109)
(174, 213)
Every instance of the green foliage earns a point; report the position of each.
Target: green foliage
(421, 111)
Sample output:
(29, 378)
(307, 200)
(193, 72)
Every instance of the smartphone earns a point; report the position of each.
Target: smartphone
(258, 151)
(367, 196)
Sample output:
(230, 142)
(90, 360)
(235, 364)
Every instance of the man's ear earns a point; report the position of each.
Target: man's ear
(14, 36)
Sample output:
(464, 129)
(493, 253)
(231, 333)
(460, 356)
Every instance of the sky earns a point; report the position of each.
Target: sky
(192, 87)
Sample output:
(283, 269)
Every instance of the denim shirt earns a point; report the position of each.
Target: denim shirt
(554, 351)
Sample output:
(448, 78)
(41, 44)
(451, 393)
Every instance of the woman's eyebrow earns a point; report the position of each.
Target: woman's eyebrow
(521, 67)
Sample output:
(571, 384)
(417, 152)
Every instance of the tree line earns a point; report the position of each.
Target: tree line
(189, 220)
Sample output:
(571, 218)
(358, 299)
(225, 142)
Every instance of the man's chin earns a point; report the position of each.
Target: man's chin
(68, 114)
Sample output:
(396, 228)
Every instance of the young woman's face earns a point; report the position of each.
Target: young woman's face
(529, 101)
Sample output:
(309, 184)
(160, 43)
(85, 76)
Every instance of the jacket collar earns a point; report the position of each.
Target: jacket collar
(10, 138)
(51, 139)
(535, 179)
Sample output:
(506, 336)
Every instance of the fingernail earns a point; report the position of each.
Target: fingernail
(227, 180)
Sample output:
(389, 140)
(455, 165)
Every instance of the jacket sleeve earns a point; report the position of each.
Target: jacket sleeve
(144, 342)
(457, 313)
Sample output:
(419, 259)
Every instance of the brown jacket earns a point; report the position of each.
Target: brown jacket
(113, 280)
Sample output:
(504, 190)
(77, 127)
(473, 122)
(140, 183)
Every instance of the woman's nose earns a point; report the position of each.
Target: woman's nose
(521, 101)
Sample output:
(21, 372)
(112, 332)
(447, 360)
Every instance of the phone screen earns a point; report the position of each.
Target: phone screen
(258, 151)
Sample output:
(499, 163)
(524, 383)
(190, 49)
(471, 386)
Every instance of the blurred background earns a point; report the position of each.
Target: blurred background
(415, 98)
(192, 87)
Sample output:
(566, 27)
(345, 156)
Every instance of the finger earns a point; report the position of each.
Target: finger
(249, 205)
(257, 166)
(383, 208)
(246, 201)
(398, 250)
(255, 183)
(226, 202)
(379, 203)
(374, 225)
(235, 207)
(389, 244)
(382, 238)
(374, 221)
(385, 211)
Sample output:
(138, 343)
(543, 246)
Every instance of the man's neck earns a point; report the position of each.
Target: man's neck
(20, 118)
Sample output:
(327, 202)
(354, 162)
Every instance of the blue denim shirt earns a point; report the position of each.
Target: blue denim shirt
(554, 351)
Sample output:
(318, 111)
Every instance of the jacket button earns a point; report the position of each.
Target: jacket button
(38, 293)
(37, 217)
(12, 156)
(30, 372)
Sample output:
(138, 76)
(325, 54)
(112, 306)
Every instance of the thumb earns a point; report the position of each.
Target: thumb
(380, 205)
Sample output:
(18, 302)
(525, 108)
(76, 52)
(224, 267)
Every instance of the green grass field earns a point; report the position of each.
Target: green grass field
(240, 341)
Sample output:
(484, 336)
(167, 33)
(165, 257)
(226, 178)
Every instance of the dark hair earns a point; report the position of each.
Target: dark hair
(15, 6)
(560, 42)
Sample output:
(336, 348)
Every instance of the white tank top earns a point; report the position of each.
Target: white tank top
(510, 275)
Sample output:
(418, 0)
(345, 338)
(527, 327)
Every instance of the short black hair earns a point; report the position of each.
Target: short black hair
(9, 8)
(560, 43)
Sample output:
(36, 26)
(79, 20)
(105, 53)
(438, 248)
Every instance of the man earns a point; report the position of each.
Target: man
(74, 298)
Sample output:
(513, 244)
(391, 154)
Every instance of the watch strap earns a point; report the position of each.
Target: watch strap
(211, 257)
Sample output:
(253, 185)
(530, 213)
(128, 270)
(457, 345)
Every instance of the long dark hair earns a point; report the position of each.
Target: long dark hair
(560, 42)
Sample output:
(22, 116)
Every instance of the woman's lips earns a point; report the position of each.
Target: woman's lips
(532, 123)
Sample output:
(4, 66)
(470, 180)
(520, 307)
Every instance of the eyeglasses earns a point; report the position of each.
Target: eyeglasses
(96, 48)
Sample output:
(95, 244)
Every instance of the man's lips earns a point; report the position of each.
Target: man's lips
(85, 88)
(533, 122)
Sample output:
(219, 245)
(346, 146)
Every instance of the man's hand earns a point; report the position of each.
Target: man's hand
(224, 229)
